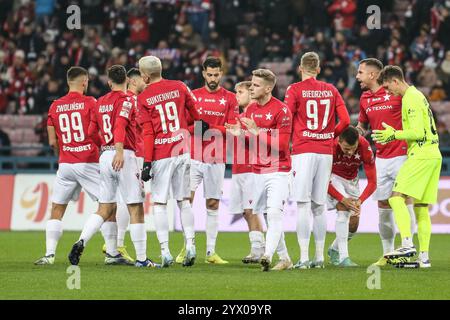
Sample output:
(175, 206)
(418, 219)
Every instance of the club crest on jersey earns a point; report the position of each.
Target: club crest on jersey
(386, 97)
(222, 101)
(269, 116)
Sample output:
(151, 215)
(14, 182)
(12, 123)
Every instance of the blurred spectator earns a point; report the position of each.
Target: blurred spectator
(343, 13)
(5, 142)
(444, 135)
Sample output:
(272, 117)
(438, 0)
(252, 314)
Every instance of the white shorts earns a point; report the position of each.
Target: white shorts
(271, 190)
(71, 177)
(212, 175)
(241, 197)
(387, 170)
(170, 179)
(140, 164)
(311, 177)
(127, 180)
(348, 188)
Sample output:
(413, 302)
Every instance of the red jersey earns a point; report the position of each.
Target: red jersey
(111, 108)
(163, 105)
(241, 156)
(347, 167)
(139, 133)
(314, 105)
(274, 119)
(376, 108)
(71, 116)
(215, 108)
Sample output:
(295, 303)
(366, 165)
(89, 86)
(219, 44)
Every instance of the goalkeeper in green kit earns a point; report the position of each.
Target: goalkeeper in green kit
(418, 177)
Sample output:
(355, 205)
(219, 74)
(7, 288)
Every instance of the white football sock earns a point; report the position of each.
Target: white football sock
(412, 214)
(92, 225)
(123, 220)
(139, 238)
(334, 245)
(282, 249)
(162, 227)
(351, 235)
(342, 221)
(212, 228)
(274, 231)
(319, 229)
(304, 221)
(53, 232)
(407, 242)
(423, 256)
(386, 228)
(187, 222)
(256, 242)
(109, 232)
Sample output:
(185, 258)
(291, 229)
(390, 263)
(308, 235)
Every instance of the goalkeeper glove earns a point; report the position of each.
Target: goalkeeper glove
(145, 175)
(384, 136)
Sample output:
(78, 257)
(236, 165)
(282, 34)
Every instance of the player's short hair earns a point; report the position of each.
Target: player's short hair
(310, 62)
(372, 62)
(150, 65)
(75, 72)
(117, 74)
(349, 135)
(212, 62)
(133, 72)
(243, 84)
(267, 75)
(390, 72)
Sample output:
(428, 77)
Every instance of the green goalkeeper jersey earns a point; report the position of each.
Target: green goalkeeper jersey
(419, 129)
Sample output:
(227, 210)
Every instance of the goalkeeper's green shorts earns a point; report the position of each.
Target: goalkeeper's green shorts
(419, 178)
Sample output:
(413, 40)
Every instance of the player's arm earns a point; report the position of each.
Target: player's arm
(53, 139)
(371, 174)
(416, 130)
(362, 128)
(363, 120)
(93, 130)
(148, 134)
(342, 113)
(347, 202)
(120, 125)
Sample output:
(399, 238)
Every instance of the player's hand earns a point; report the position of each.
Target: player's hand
(145, 174)
(348, 203)
(234, 129)
(251, 125)
(384, 136)
(356, 211)
(118, 161)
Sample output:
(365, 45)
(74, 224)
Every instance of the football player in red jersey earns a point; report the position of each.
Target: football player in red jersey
(314, 105)
(269, 121)
(241, 198)
(115, 118)
(163, 106)
(135, 86)
(215, 106)
(378, 106)
(67, 126)
(350, 150)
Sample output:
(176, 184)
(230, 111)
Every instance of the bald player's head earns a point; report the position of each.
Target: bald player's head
(150, 68)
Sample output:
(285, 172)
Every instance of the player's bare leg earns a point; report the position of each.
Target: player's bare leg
(256, 236)
(53, 232)
(212, 228)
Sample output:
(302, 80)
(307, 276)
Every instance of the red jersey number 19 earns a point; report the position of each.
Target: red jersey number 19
(169, 116)
(312, 112)
(71, 127)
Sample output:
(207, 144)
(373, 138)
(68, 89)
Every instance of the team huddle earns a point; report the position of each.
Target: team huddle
(148, 128)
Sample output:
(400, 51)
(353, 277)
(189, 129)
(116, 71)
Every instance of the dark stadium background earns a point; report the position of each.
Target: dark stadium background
(36, 49)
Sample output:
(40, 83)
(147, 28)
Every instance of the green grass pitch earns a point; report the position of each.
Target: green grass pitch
(20, 279)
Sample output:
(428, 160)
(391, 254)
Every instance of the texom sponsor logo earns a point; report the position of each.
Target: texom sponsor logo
(440, 212)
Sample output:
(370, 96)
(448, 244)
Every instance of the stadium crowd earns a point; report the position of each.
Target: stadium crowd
(36, 48)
